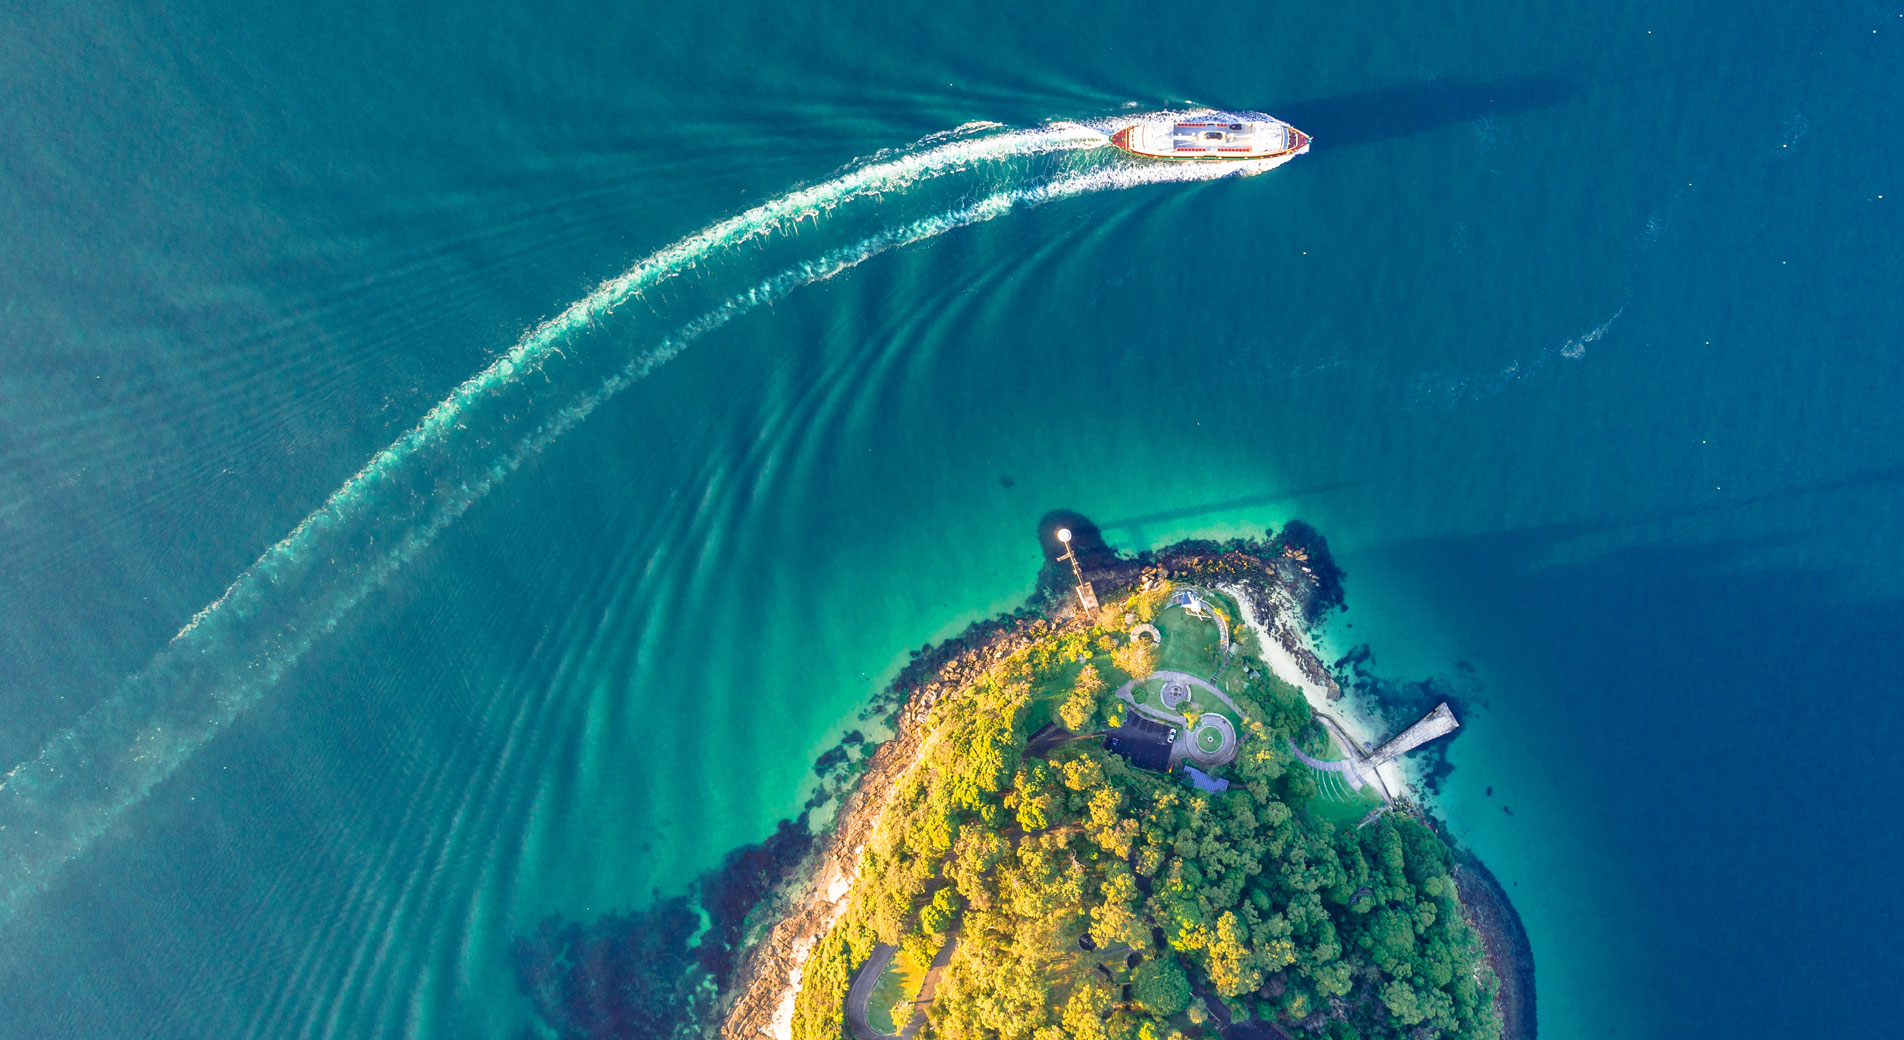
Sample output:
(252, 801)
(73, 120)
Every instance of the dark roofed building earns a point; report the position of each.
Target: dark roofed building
(1203, 781)
(1145, 743)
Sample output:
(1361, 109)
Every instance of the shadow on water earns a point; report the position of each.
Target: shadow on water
(1406, 109)
(1244, 502)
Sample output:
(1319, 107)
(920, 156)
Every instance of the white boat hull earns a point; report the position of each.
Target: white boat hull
(1212, 137)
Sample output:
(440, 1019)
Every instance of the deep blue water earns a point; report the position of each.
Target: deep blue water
(1576, 334)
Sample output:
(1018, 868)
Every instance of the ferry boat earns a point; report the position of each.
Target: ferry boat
(1212, 136)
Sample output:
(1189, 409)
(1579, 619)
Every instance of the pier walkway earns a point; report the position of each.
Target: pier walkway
(1363, 766)
(1437, 723)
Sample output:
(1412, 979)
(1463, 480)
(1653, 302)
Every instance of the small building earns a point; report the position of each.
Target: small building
(1144, 743)
(1192, 603)
(1203, 781)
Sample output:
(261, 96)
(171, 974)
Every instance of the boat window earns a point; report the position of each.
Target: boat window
(1213, 135)
(1236, 126)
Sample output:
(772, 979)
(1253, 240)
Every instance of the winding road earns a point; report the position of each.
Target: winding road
(862, 989)
(868, 977)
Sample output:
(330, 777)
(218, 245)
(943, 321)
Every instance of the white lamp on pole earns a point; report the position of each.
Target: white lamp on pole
(1087, 596)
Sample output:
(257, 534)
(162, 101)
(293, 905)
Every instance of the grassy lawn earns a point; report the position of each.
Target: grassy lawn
(1146, 693)
(1198, 705)
(1334, 801)
(1330, 803)
(900, 981)
(1051, 692)
(1189, 643)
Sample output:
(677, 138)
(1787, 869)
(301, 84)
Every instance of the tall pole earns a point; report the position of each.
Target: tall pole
(1087, 596)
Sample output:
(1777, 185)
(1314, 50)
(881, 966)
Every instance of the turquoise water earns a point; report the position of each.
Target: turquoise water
(1574, 334)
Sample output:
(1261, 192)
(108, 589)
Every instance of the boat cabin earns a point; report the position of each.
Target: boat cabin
(1211, 137)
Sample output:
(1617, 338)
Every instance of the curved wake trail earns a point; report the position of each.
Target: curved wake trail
(55, 805)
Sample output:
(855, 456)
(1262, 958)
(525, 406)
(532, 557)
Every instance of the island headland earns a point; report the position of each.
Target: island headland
(1138, 807)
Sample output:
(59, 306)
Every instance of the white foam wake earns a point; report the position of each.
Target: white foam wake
(54, 806)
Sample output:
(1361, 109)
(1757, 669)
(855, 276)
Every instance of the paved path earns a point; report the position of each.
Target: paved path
(862, 989)
(863, 983)
(1186, 746)
(1343, 766)
(1050, 737)
(1202, 684)
(1363, 766)
(928, 989)
(1124, 692)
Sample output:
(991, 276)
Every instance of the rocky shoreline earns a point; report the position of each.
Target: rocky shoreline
(1292, 584)
(1508, 952)
(759, 999)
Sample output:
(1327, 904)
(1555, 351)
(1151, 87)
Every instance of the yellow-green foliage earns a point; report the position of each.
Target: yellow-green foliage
(820, 1006)
(1137, 658)
(1053, 652)
(1080, 706)
(1017, 858)
(960, 781)
(1146, 602)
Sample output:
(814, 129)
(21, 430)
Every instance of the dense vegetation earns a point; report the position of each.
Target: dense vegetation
(1090, 899)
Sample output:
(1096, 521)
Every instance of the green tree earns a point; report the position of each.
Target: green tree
(1334, 980)
(1403, 1002)
(1117, 915)
(1085, 1011)
(1390, 939)
(938, 915)
(1160, 987)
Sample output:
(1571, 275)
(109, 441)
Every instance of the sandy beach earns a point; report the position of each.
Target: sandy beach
(1292, 658)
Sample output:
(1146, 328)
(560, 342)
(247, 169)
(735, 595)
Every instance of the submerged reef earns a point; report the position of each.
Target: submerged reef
(652, 972)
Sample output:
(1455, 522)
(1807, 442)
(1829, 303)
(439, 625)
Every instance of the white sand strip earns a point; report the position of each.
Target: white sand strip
(1348, 714)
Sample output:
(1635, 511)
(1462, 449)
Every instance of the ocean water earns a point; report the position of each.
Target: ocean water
(1575, 333)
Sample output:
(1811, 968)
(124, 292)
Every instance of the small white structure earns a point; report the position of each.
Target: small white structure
(1087, 596)
(1198, 607)
(1191, 603)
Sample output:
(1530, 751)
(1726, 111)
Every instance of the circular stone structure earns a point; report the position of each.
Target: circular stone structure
(1174, 694)
(1213, 741)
